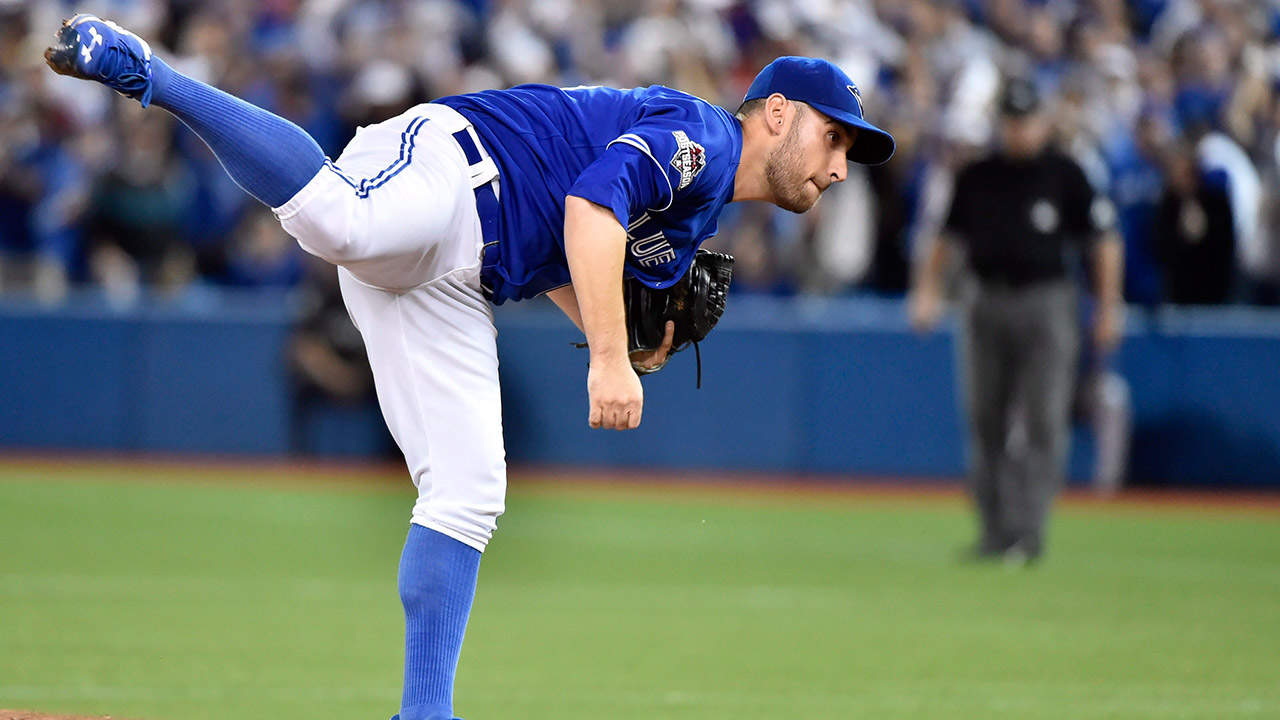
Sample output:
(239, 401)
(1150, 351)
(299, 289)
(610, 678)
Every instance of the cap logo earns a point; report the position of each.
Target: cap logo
(857, 96)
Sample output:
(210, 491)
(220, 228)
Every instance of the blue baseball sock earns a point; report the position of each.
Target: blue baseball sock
(437, 585)
(268, 156)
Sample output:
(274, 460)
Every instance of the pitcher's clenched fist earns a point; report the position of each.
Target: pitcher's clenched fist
(616, 396)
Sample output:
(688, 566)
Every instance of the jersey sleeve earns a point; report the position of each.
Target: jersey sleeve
(624, 179)
(656, 162)
(1089, 214)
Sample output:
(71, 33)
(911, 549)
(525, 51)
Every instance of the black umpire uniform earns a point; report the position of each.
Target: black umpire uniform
(1022, 214)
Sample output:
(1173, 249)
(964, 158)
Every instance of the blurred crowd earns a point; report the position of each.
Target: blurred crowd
(1172, 106)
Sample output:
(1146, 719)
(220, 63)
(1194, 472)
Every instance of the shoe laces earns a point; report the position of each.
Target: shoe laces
(127, 73)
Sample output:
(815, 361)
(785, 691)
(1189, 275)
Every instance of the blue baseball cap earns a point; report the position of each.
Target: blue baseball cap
(829, 90)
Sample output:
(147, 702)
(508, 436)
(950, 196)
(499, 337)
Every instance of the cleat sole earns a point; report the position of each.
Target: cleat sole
(61, 57)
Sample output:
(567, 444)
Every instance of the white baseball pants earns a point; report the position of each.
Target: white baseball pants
(397, 214)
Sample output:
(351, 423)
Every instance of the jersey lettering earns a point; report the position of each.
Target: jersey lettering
(649, 250)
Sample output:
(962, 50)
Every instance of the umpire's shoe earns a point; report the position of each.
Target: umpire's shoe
(91, 48)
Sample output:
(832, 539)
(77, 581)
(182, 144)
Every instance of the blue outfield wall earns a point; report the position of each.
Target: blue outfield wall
(785, 387)
(820, 386)
(204, 377)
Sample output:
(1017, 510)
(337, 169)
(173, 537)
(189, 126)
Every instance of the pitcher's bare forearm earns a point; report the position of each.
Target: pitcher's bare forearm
(567, 300)
(595, 244)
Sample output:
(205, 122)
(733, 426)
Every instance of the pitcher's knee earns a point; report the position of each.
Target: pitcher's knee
(330, 234)
(324, 218)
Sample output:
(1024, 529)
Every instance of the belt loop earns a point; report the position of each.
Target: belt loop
(485, 181)
(480, 164)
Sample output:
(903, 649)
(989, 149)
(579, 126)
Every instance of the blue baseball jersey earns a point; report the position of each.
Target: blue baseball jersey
(663, 161)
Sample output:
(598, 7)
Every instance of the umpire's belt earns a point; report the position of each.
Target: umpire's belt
(484, 180)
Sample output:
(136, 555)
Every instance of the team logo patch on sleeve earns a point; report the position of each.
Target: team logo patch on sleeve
(690, 158)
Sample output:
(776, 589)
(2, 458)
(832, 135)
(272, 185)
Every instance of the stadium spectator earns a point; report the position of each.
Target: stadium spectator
(1137, 185)
(42, 198)
(135, 213)
(929, 70)
(262, 254)
(327, 360)
(1195, 233)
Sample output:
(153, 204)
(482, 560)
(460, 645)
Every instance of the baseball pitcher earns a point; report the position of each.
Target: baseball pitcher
(470, 201)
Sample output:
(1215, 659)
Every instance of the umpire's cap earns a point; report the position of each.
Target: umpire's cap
(829, 90)
(1019, 98)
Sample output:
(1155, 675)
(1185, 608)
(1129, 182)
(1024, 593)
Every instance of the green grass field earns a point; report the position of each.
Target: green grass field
(188, 594)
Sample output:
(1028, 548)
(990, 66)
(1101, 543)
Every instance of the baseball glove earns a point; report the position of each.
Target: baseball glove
(694, 304)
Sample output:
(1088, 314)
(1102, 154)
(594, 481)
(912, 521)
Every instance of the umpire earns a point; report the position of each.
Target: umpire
(1020, 216)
